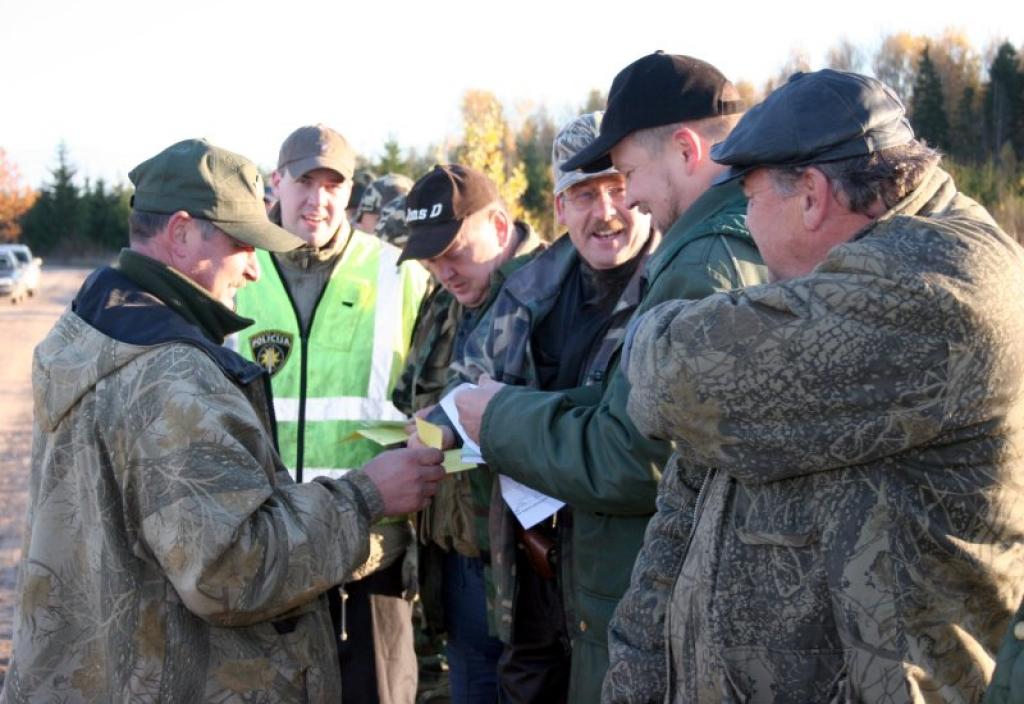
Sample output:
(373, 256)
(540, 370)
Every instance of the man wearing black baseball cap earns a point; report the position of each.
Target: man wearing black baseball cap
(463, 234)
(667, 110)
(859, 537)
(169, 556)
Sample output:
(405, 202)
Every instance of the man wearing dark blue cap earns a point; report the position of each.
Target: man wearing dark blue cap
(859, 538)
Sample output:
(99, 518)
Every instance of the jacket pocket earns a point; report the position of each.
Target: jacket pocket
(755, 674)
(779, 514)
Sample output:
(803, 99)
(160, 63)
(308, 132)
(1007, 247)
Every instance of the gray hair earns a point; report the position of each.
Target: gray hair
(888, 175)
(143, 225)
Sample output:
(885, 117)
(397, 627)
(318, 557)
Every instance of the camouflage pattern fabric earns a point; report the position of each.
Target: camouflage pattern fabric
(859, 537)
(381, 191)
(169, 556)
(391, 227)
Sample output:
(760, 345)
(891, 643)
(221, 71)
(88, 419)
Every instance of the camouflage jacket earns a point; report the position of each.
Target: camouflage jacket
(581, 447)
(169, 556)
(860, 535)
(501, 347)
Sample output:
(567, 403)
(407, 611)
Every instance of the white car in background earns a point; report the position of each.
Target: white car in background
(12, 280)
(31, 266)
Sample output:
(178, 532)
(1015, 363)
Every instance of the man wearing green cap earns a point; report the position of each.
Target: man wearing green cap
(168, 554)
(333, 322)
(859, 535)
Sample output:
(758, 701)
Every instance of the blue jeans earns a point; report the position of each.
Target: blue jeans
(472, 653)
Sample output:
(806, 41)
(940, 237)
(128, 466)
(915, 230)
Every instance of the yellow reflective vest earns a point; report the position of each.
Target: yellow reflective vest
(341, 373)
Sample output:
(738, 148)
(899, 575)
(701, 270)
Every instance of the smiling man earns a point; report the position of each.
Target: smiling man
(579, 445)
(554, 326)
(333, 323)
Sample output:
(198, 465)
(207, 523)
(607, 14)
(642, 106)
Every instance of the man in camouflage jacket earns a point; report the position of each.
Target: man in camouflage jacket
(169, 556)
(556, 324)
(858, 537)
(463, 234)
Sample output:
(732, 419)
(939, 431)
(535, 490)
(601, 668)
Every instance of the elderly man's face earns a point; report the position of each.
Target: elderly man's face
(777, 227)
(465, 268)
(312, 205)
(220, 264)
(655, 183)
(604, 231)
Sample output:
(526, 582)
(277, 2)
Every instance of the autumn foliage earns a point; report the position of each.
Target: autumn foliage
(15, 199)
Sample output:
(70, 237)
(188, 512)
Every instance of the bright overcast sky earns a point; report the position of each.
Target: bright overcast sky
(118, 81)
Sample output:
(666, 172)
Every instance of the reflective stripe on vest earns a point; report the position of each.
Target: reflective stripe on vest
(356, 346)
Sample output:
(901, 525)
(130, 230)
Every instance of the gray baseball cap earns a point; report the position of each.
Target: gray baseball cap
(570, 140)
(815, 117)
(213, 184)
(381, 191)
(316, 147)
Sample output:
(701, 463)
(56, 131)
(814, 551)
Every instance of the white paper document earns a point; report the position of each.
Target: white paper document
(529, 506)
(470, 450)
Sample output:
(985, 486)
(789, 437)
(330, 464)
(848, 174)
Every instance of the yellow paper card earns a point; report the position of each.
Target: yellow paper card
(429, 433)
(453, 462)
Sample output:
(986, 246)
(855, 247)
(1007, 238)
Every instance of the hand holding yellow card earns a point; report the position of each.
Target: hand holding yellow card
(430, 434)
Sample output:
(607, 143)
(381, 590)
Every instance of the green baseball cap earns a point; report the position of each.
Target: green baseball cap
(213, 184)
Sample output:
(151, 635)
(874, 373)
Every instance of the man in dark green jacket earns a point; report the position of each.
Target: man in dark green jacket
(580, 446)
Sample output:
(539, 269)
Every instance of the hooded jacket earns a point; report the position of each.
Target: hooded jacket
(168, 555)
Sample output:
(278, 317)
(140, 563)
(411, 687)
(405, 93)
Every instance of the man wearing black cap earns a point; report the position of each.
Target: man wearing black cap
(168, 555)
(860, 536)
(333, 323)
(581, 447)
(460, 230)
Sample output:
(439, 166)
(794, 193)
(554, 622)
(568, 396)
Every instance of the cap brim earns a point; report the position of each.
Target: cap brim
(428, 241)
(262, 235)
(594, 157)
(301, 167)
(732, 174)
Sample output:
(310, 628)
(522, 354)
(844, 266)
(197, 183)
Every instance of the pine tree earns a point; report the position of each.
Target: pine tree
(928, 105)
(1004, 102)
(57, 216)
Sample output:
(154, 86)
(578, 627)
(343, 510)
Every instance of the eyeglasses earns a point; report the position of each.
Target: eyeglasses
(586, 198)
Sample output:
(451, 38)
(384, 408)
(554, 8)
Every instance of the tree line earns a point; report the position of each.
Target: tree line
(968, 105)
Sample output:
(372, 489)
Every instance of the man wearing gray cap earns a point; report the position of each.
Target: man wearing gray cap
(333, 323)
(168, 555)
(555, 325)
(379, 193)
(859, 538)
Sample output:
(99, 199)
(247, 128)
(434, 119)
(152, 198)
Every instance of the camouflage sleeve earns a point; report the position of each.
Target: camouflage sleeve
(636, 634)
(238, 547)
(789, 379)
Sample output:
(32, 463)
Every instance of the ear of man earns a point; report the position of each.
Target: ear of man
(816, 198)
(690, 146)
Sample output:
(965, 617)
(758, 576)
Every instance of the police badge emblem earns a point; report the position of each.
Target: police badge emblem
(270, 349)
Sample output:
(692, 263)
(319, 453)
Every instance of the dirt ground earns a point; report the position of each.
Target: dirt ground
(22, 326)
